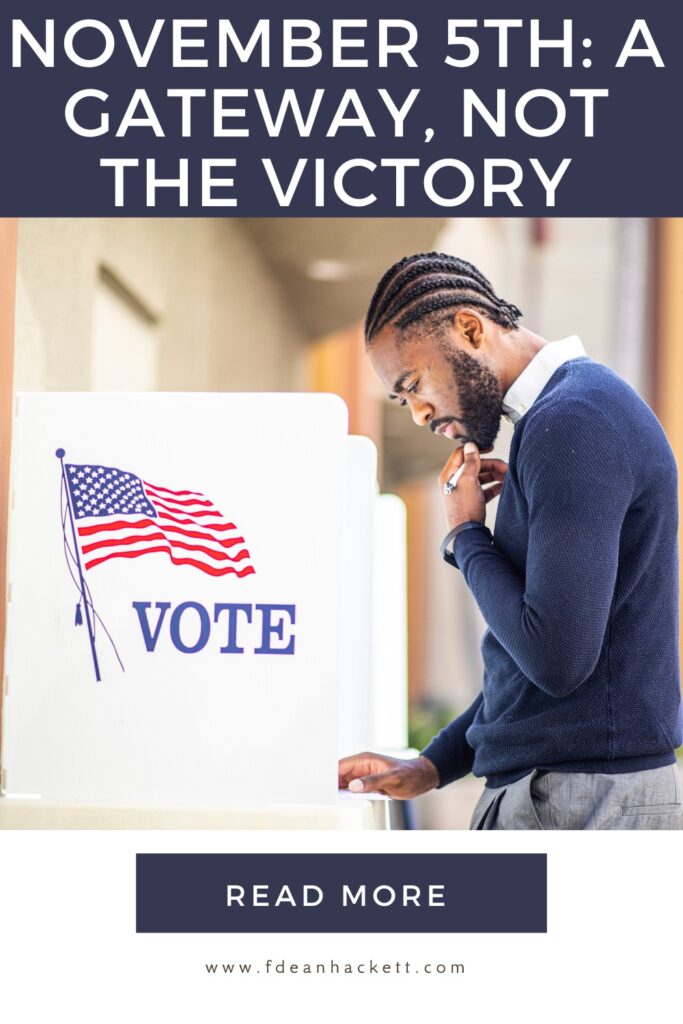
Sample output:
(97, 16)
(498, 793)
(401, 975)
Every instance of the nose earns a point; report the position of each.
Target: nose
(422, 412)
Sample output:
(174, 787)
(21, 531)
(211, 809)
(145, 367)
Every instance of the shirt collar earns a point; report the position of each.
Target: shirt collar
(524, 391)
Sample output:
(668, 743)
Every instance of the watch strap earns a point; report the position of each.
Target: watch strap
(449, 556)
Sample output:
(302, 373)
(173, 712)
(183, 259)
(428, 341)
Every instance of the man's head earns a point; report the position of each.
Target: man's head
(435, 333)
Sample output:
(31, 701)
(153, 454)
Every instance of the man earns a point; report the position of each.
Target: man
(580, 710)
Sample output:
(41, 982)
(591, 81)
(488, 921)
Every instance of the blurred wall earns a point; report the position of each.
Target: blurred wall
(665, 321)
(562, 273)
(222, 320)
(8, 264)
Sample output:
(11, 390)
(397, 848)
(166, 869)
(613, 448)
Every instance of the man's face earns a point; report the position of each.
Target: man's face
(449, 386)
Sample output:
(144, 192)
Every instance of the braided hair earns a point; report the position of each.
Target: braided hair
(428, 282)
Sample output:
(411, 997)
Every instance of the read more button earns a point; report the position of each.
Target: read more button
(332, 892)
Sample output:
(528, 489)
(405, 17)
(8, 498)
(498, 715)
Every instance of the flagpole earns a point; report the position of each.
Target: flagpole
(60, 453)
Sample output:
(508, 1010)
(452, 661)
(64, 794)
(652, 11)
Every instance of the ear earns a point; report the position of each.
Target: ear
(469, 326)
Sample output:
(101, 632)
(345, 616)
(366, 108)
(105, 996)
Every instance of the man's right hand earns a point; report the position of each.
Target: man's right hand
(392, 776)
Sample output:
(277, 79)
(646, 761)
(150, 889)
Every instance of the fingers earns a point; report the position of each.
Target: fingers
(492, 492)
(396, 778)
(453, 463)
(496, 466)
(386, 782)
(469, 454)
(472, 460)
(399, 783)
(493, 472)
(347, 763)
(358, 765)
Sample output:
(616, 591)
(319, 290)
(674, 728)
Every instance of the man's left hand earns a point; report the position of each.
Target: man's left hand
(467, 502)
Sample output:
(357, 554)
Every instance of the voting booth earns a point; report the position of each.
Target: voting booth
(190, 609)
(355, 704)
(389, 667)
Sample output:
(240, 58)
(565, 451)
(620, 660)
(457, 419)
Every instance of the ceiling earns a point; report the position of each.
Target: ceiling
(329, 267)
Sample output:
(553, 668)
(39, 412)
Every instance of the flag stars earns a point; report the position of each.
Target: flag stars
(106, 491)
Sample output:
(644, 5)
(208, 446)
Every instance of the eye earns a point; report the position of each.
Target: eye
(411, 390)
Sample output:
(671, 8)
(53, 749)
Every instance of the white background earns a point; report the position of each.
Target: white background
(69, 951)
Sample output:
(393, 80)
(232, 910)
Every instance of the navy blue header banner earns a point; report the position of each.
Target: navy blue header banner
(484, 107)
(332, 892)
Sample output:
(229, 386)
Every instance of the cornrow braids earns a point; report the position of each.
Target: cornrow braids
(427, 282)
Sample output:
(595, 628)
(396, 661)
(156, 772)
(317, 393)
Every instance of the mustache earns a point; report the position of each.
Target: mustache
(440, 422)
(443, 420)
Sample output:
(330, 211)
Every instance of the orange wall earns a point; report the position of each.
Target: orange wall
(416, 497)
(669, 354)
(338, 364)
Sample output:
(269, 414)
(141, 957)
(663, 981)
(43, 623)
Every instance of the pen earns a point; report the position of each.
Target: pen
(453, 480)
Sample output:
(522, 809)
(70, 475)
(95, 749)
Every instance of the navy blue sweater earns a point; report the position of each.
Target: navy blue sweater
(579, 590)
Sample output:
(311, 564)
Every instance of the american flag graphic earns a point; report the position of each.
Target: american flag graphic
(119, 515)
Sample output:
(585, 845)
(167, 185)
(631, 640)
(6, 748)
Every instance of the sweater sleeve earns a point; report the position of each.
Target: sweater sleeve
(449, 751)
(576, 478)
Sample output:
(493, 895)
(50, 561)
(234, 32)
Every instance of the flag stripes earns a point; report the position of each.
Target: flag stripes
(118, 515)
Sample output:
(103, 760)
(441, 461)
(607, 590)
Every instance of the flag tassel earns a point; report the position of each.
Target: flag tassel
(79, 615)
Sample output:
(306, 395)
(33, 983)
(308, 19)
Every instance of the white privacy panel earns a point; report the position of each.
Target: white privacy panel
(356, 622)
(390, 626)
(201, 539)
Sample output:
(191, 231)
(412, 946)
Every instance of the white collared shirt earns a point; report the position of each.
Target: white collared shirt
(524, 391)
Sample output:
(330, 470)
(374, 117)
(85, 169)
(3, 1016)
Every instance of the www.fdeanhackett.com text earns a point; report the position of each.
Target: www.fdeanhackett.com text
(331, 967)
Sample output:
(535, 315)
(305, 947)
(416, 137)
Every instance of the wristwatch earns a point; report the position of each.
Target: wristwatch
(448, 556)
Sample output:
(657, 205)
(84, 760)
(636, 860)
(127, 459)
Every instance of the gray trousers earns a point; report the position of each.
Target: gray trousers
(649, 799)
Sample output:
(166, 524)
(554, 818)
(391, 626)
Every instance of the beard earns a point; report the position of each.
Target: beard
(480, 398)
